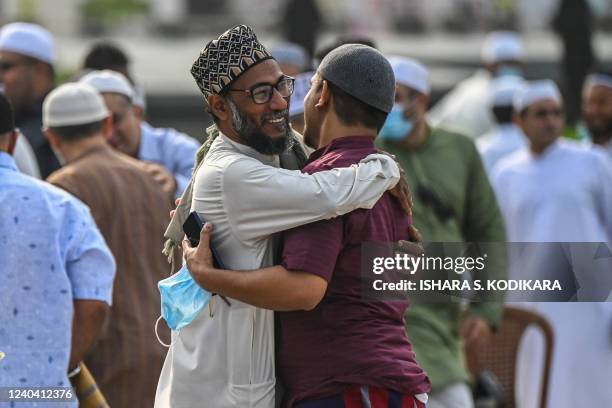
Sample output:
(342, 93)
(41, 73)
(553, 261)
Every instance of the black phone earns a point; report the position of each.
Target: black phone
(192, 227)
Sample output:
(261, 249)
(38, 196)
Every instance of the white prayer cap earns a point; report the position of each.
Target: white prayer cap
(598, 79)
(504, 89)
(74, 103)
(411, 73)
(28, 39)
(536, 91)
(300, 90)
(502, 46)
(140, 98)
(107, 81)
(290, 53)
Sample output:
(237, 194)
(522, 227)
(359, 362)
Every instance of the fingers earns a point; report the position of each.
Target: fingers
(205, 235)
(177, 202)
(186, 246)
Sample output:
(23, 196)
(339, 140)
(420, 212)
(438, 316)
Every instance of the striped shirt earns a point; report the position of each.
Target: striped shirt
(131, 211)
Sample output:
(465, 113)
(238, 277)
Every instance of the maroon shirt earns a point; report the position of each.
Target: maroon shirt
(346, 340)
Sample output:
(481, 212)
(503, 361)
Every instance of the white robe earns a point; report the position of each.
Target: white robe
(465, 108)
(25, 158)
(499, 143)
(565, 195)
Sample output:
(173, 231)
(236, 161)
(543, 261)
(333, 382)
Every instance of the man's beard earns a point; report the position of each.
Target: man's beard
(601, 133)
(252, 135)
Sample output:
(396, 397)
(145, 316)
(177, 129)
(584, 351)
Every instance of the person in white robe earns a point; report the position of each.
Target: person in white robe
(465, 108)
(506, 137)
(556, 191)
(597, 109)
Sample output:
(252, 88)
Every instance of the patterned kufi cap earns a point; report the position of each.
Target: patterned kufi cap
(223, 60)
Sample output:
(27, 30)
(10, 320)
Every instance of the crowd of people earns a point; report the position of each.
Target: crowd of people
(291, 181)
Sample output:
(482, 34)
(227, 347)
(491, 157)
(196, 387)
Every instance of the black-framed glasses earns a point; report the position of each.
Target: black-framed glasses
(262, 93)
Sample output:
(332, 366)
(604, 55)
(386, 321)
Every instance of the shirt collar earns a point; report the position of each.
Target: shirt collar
(550, 150)
(147, 148)
(7, 161)
(249, 151)
(343, 143)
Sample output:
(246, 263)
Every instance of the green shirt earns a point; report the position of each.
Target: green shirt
(449, 166)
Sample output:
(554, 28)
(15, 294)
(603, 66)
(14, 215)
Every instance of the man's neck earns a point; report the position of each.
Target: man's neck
(602, 140)
(333, 129)
(539, 150)
(73, 150)
(418, 137)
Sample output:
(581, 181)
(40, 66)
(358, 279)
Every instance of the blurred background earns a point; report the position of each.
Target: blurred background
(162, 38)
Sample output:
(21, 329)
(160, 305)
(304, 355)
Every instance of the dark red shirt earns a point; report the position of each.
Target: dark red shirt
(346, 340)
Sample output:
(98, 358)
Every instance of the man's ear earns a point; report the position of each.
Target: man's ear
(325, 95)
(517, 120)
(52, 137)
(219, 107)
(12, 141)
(139, 112)
(423, 100)
(107, 128)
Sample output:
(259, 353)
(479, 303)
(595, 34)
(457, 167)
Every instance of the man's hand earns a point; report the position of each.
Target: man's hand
(402, 193)
(475, 331)
(88, 321)
(199, 259)
(177, 202)
(162, 176)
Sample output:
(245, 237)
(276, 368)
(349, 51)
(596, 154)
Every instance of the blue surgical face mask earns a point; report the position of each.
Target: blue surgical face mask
(182, 299)
(396, 127)
(509, 71)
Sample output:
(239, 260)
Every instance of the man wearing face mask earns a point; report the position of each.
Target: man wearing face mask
(453, 202)
(465, 108)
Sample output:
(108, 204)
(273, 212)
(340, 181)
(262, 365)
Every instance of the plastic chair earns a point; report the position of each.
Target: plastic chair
(499, 355)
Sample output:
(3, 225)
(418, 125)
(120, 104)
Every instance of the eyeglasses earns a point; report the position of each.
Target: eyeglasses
(262, 93)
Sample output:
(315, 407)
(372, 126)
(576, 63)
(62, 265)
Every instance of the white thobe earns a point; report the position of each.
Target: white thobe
(466, 107)
(227, 359)
(25, 158)
(499, 143)
(564, 195)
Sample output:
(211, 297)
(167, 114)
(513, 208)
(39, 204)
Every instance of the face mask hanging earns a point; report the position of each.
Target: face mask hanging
(182, 300)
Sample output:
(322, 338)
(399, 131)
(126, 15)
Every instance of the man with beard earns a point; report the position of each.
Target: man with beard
(225, 356)
(328, 353)
(597, 109)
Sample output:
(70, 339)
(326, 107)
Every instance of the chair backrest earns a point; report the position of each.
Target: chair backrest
(499, 355)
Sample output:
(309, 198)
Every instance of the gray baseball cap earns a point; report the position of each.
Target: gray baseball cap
(362, 72)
